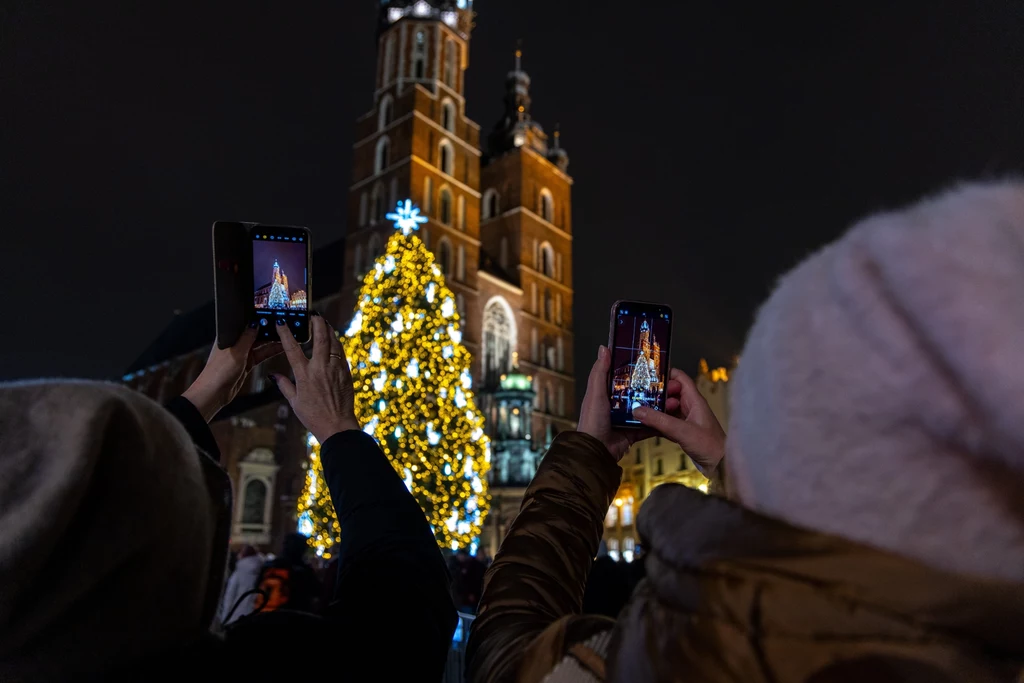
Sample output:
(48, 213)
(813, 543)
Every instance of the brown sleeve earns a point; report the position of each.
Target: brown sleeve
(541, 569)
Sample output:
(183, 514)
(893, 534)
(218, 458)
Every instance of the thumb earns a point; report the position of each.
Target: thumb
(286, 387)
(598, 380)
(672, 427)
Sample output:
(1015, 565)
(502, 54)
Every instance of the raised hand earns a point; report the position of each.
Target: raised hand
(690, 423)
(322, 394)
(226, 371)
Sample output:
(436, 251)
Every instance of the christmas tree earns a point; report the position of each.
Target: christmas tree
(413, 389)
(317, 518)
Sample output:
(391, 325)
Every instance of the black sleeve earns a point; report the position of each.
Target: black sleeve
(189, 416)
(392, 578)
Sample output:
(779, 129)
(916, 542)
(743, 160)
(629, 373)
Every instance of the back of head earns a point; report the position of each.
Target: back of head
(106, 531)
(294, 547)
(879, 393)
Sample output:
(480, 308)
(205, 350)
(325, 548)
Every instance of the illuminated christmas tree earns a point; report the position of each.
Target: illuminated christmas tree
(414, 389)
(317, 518)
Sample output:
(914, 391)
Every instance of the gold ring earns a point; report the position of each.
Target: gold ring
(338, 356)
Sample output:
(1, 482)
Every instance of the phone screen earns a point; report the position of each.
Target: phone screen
(280, 273)
(639, 344)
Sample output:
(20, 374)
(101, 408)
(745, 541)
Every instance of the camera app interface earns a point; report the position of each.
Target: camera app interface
(639, 361)
(280, 281)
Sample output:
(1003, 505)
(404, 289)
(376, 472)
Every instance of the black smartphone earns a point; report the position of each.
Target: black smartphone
(281, 279)
(262, 274)
(639, 342)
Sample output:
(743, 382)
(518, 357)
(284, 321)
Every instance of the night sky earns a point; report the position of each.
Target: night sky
(712, 147)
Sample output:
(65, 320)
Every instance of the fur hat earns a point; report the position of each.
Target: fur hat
(880, 395)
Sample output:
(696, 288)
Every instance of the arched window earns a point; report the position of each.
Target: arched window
(373, 249)
(448, 115)
(628, 544)
(547, 304)
(447, 158)
(383, 158)
(503, 253)
(357, 262)
(445, 206)
(460, 213)
(560, 403)
(546, 206)
(444, 255)
(490, 204)
(460, 263)
(612, 518)
(364, 209)
(450, 56)
(547, 259)
(378, 204)
(559, 354)
(389, 60)
(533, 345)
(254, 502)
(613, 548)
(428, 195)
(385, 112)
(419, 55)
(499, 338)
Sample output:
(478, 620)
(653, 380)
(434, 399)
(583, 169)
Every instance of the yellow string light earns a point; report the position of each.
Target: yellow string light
(413, 395)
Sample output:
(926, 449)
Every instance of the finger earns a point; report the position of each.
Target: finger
(597, 384)
(296, 358)
(321, 342)
(338, 350)
(674, 388)
(674, 428)
(248, 338)
(672, 406)
(336, 346)
(266, 351)
(286, 386)
(688, 396)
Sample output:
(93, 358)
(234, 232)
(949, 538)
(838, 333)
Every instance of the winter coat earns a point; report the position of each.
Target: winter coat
(242, 580)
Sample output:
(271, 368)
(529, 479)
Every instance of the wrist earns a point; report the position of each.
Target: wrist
(337, 427)
(205, 401)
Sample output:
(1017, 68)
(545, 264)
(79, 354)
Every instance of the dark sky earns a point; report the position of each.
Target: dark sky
(712, 144)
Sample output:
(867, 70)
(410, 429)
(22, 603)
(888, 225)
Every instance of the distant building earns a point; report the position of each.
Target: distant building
(658, 461)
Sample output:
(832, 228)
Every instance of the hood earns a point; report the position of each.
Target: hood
(109, 546)
(733, 595)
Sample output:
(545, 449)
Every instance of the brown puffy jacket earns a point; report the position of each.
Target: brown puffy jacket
(729, 596)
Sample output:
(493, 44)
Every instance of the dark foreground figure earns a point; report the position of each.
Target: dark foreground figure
(114, 538)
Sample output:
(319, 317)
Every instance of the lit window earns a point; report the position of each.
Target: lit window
(419, 53)
(490, 204)
(627, 513)
(451, 54)
(628, 547)
(383, 158)
(547, 259)
(498, 338)
(547, 205)
(447, 158)
(613, 548)
(448, 116)
(612, 517)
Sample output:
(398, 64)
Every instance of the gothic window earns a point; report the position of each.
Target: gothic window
(389, 60)
(560, 355)
(419, 55)
(357, 262)
(460, 213)
(628, 546)
(447, 158)
(549, 361)
(450, 56)
(444, 255)
(383, 158)
(498, 338)
(373, 249)
(627, 513)
(445, 206)
(533, 345)
(378, 204)
(490, 204)
(547, 259)
(428, 195)
(448, 116)
(460, 264)
(547, 304)
(547, 205)
(364, 209)
(612, 518)
(613, 548)
(386, 112)
(254, 500)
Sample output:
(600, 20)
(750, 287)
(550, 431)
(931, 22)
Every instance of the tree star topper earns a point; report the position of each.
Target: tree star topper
(406, 217)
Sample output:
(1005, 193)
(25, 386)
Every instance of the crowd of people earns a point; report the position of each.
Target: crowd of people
(866, 521)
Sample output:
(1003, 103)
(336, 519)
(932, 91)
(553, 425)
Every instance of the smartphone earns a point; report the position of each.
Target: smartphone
(262, 274)
(639, 341)
(281, 282)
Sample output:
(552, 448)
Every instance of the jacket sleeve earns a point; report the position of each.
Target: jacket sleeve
(392, 583)
(190, 417)
(538, 577)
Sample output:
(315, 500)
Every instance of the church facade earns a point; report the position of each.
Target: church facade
(500, 227)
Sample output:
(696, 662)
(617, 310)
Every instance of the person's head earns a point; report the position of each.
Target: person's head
(295, 546)
(878, 395)
(112, 483)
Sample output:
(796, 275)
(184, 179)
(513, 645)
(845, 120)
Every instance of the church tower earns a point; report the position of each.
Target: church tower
(416, 142)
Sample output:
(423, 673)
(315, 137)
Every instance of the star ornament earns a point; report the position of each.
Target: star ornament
(406, 217)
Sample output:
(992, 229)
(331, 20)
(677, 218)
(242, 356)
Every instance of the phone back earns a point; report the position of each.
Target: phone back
(232, 280)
